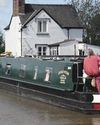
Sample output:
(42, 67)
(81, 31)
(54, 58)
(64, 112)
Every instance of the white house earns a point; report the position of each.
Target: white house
(36, 29)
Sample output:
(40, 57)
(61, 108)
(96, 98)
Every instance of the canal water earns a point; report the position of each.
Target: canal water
(16, 110)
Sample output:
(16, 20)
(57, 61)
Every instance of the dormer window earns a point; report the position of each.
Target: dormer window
(42, 26)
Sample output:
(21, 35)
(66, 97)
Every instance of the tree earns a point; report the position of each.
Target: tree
(95, 30)
(2, 45)
(87, 10)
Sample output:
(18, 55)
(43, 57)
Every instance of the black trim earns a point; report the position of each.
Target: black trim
(8, 27)
(40, 45)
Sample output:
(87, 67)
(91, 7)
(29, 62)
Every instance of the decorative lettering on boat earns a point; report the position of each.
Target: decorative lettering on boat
(22, 71)
(48, 72)
(63, 75)
(35, 72)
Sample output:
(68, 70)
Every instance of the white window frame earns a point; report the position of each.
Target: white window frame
(42, 26)
(54, 51)
(42, 53)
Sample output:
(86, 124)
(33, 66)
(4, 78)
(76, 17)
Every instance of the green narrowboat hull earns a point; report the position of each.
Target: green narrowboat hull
(34, 70)
(52, 81)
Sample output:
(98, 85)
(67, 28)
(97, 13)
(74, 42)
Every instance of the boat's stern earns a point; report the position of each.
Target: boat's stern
(96, 102)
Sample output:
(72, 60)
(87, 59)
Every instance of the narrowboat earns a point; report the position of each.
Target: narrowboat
(57, 81)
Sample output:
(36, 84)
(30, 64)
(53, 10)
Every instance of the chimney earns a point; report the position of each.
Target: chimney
(18, 7)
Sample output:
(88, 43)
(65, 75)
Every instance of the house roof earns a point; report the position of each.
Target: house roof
(59, 43)
(65, 15)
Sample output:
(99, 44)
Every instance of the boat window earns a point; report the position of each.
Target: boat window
(8, 69)
(35, 72)
(48, 72)
(22, 71)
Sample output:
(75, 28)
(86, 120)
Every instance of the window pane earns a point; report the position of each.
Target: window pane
(44, 26)
(44, 50)
(39, 48)
(39, 26)
(39, 51)
(54, 51)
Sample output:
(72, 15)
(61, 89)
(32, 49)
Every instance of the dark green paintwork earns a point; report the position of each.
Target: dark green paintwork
(59, 78)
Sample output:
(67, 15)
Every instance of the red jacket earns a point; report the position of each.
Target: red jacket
(91, 65)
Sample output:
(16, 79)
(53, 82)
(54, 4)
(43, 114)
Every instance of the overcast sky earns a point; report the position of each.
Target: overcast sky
(6, 9)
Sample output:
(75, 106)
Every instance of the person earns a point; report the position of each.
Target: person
(98, 78)
(91, 67)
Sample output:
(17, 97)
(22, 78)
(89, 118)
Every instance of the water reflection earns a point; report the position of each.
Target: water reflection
(96, 121)
(15, 110)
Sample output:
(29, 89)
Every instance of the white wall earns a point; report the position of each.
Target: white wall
(13, 37)
(55, 33)
(72, 47)
(69, 48)
(76, 34)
